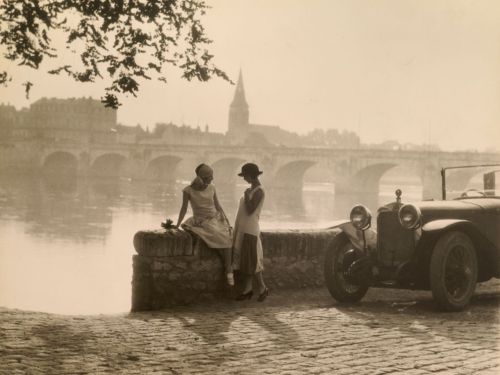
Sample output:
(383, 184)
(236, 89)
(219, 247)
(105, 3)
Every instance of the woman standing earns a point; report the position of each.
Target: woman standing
(209, 220)
(248, 256)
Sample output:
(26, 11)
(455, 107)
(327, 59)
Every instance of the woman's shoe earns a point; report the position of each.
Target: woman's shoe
(244, 296)
(263, 295)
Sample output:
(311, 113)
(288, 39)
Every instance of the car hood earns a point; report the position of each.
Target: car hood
(470, 204)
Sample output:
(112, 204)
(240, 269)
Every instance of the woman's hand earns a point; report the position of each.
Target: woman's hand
(247, 194)
(251, 204)
(222, 217)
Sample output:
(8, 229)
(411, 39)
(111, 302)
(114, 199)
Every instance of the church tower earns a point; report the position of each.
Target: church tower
(238, 110)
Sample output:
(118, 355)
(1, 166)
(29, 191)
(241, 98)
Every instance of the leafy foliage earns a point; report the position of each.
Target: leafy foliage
(125, 41)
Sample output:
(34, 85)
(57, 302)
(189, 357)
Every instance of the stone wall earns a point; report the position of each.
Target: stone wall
(172, 267)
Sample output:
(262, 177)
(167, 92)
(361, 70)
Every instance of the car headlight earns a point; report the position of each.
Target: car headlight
(410, 216)
(361, 217)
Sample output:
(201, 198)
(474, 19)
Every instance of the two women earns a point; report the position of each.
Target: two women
(210, 223)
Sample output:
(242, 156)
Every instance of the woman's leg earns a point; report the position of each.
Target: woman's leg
(247, 283)
(263, 291)
(246, 291)
(260, 281)
(228, 267)
(227, 255)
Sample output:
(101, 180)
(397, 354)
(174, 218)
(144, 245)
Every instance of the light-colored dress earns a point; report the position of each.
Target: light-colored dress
(206, 221)
(249, 224)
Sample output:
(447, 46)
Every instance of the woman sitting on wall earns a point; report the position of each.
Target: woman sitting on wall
(209, 221)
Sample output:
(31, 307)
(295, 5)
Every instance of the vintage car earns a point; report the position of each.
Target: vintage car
(445, 246)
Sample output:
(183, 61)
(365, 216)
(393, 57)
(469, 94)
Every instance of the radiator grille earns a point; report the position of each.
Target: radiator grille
(395, 244)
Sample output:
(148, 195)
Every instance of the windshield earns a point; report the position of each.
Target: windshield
(471, 181)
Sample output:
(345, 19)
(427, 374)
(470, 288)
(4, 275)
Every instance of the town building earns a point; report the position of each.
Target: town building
(60, 120)
(83, 120)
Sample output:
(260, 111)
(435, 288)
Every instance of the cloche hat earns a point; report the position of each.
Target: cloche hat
(250, 169)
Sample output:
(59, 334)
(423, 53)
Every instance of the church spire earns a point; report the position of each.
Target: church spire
(239, 94)
(238, 110)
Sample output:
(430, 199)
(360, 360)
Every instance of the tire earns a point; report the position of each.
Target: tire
(341, 289)
(453, 271)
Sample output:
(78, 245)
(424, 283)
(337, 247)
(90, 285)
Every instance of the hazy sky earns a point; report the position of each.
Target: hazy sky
(415, 71)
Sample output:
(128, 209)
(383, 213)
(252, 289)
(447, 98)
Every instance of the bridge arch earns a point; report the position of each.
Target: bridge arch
(365, 180)
(291, 174)
(226, 169)
(380, 180)
(163, 168)
(60, 162)
(407, 177)
(108, 165)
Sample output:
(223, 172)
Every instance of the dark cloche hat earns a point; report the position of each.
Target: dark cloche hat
(250, 169)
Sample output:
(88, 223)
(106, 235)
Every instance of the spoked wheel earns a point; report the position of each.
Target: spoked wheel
(338, 260)
(453, 271)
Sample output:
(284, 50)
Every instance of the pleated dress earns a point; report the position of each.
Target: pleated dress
(207, 222)
(248, 256)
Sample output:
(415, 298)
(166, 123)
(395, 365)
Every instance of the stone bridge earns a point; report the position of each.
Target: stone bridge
(352, 170)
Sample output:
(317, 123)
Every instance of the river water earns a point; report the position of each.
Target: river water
(66, 246)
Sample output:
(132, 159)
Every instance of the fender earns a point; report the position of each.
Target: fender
(356, 236)
(487, 250)
(437, 225)
(338, 223)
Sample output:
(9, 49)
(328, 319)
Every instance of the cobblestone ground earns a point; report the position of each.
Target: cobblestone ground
(397, 332)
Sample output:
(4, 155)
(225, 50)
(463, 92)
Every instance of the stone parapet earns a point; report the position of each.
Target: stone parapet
(169, 243)
(173, 267)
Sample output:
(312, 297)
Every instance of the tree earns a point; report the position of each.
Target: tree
(119, 41)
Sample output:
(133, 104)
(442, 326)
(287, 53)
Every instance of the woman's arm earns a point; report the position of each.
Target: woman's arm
(251, 204)
(218, 207)
(182, 213)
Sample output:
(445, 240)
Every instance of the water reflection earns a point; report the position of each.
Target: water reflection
(56, 208)
(284, 206)
(66, 243)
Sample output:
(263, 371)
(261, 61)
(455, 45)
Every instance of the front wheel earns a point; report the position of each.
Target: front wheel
(338, 259)
(453, 271)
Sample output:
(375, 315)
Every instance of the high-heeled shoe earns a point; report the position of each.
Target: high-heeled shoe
(244, 296)
(263, 295)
